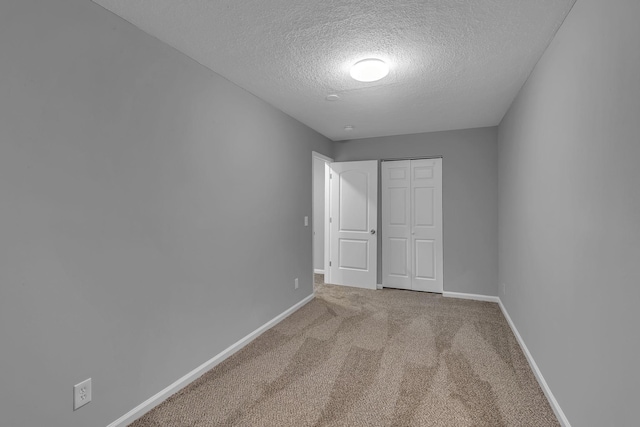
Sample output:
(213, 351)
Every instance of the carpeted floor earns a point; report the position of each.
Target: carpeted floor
(354, 357)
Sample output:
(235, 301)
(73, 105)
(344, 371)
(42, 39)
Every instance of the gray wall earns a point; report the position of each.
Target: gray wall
(470, 198)
(151, 213)
(570, 213)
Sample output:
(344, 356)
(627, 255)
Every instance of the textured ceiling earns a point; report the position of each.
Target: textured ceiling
(455, 64)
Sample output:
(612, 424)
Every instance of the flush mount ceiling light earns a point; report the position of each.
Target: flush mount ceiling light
(369, 70)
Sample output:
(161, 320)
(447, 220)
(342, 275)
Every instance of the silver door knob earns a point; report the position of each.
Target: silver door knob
(373, 231)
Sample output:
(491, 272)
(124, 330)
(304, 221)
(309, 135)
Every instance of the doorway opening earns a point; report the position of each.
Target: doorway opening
(319, 206)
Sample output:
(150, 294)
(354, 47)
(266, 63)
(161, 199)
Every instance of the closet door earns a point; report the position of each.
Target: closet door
(412, 250)
(396, 233)
(426, 225)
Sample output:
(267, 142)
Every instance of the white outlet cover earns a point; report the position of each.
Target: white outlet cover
(306, 221)
(81, 394)
(296, 283)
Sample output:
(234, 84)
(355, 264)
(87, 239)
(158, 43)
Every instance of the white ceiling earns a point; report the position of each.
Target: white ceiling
(455, 64)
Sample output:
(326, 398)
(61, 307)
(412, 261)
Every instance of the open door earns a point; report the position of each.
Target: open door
(353, 219)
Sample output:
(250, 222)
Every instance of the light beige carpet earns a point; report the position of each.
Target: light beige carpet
(356, 357)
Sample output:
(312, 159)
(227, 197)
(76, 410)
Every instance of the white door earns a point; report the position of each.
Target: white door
(412, 246)
(396, 224)
(353, 221)
(426, 223)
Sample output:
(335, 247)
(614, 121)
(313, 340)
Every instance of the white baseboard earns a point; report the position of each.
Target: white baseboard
(155, 400)
(475, 297)
(318, 271)
(536, 371)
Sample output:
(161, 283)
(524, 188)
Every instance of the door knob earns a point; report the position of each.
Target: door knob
(373, 231)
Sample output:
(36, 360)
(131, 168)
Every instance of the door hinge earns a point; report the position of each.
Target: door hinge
(330, 176)
(329, 263)
(330, 220)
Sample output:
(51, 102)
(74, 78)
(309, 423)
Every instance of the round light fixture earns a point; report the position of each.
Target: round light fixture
(332, 97)
(369, 70)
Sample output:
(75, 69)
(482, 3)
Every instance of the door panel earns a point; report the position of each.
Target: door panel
(398, 257)
(423, 206)
(353, 217)
(397, 206)
(422, 172)
(353, 254)
(353, 201)
(424, 258)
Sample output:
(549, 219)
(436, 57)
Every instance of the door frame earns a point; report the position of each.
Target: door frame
(315, 155)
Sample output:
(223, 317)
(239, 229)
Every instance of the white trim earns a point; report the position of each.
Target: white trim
(316, 155)
(327, 224)
(536, 371)
(475, 297)
(321, 156)
(158, 398)
(534, 367)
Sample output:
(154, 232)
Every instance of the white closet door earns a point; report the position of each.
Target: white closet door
(396, 226)
(426, 223)
(353, 221)
(412, 246)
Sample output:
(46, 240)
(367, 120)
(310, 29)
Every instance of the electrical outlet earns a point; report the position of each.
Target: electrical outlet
(81, 394)
(306, 221)
(296, 283)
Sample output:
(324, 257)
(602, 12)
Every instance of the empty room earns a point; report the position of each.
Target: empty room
(319, 213)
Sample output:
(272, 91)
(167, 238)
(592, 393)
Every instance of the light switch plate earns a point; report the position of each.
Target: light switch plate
(306, 221)
(81, 394)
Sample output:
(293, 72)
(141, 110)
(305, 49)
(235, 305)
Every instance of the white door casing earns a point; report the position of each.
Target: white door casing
(412, 226)
(319, 162)
(353, 224)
